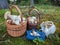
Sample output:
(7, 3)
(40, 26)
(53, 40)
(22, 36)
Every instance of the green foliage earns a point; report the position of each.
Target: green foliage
(2, 12)
(24, 2)
(38, 40)
(27, 2)
(43, 1)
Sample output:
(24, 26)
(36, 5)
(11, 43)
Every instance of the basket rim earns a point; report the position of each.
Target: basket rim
(17, 9)
(15, 25)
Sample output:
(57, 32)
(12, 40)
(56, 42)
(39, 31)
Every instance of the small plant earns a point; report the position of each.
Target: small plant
(38, 41)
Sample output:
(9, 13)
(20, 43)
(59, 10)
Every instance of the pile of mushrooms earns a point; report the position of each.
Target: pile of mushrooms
(13, 19)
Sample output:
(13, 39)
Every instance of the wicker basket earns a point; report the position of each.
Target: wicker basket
(31, 25)
(16, 30)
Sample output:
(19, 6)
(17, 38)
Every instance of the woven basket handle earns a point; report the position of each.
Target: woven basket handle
(17, 9)
(34, 9)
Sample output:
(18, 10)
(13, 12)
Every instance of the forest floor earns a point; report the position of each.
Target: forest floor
(48, 12)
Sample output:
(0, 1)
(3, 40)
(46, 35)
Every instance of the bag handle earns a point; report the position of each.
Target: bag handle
(17, 9)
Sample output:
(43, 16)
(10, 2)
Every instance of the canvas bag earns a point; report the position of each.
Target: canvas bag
(48, 31)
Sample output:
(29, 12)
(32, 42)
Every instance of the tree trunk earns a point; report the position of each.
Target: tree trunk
(31, 3)
(3, 4)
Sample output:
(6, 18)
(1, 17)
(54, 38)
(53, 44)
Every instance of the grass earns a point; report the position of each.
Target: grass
(49, 12)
